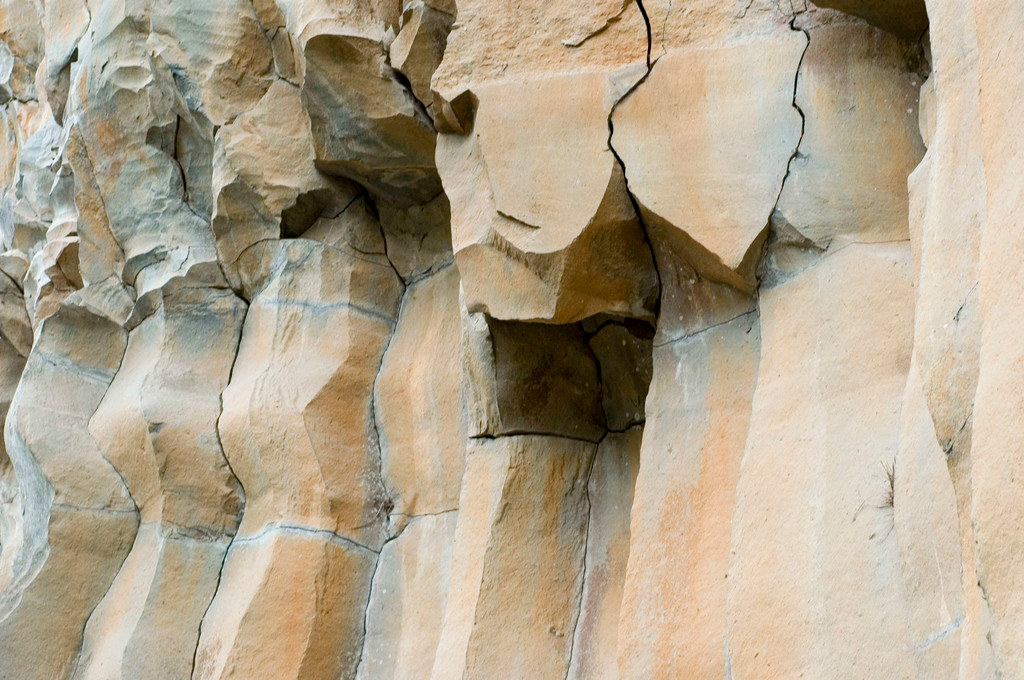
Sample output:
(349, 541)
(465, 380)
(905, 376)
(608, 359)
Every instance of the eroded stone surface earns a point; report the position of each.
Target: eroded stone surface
(389, 339)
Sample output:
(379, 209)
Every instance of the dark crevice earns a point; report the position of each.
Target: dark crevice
(600, 381)
(533, 433)
(384, 503)
(622, 166)
(647, 24)
(586, 554)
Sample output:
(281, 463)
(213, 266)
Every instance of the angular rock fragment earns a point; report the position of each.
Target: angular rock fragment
(543, 228)
(366, 126)
(733, 131)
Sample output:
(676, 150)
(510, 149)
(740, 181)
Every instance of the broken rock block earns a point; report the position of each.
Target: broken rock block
(732, 130)
(543, 228)
(542, 225)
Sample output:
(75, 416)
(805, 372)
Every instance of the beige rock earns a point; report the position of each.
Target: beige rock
(147, 624)
(77, 521)
(290, 605)
(517, 565)
(735, 129)
(421, 415)
(408, 598)
(22, 50)
(537, 195)
(157, 425)
(548, 338)
(298, 430)
(64, 24)
(947, 224)
(925, 525)
(419, 46)
(252, 196)
(996, 501)
(814, 563)
(610, 494)
(367, 126)
(127, 106)
(860, 141)
(673, 617)
(222, 56)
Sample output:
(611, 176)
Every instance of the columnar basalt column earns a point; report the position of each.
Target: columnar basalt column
(78, 520)
(298, 430)
(157, 425)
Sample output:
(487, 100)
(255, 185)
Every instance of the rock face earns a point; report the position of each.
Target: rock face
(462, 339)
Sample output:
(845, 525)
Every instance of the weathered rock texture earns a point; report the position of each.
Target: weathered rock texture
(476, 339)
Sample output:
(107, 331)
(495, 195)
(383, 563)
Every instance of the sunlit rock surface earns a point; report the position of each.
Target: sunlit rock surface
(462, 339)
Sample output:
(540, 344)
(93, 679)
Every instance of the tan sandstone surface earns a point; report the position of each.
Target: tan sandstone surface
(480, 339)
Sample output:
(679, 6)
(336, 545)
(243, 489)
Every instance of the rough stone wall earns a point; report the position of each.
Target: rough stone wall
(471, 339)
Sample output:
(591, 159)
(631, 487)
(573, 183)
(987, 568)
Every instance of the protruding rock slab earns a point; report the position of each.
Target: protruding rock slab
(729, 129)
(542, 224)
